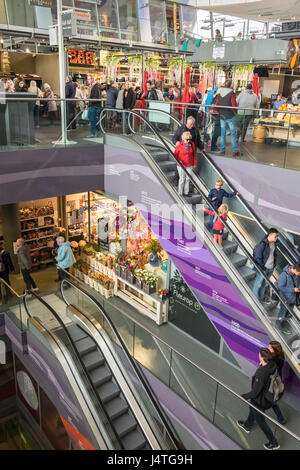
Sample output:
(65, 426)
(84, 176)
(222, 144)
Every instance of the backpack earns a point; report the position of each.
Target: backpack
(275, 389)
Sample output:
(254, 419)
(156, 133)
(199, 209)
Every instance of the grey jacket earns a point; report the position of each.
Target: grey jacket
(24, 258)
(247, 99)
(119, 102)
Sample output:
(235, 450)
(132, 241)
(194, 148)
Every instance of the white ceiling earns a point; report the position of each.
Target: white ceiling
(259, 10)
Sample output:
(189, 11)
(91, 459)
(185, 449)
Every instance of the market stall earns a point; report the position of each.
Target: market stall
(280, 127)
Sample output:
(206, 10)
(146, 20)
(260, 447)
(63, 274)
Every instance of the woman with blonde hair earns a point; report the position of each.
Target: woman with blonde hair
(218, 224)
(51, 106)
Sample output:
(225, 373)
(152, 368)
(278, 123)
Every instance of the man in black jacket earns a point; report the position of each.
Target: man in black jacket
(129, 99)
(6, 267)
(94, 107)
(188, 127)
(70, 92)
(265, 254)
(260, 384)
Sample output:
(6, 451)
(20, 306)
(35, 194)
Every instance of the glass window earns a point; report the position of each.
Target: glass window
(128, 19)
(203, 21)
(109, 19)
(189, 21)
(3, 19)
(20, 13)
(86, 15)
(158, 21)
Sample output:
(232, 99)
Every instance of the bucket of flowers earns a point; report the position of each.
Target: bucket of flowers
(130, 271)
(138, 273)
(149, 282)
(154, 248)
(163, 294)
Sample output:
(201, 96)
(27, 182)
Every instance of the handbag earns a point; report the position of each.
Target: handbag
(84, 115)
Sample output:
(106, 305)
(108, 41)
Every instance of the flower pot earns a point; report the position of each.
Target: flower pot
(130, 277)
(118, 270)
(148, 289)
(123, 273)
(154, 260)
(139, 283)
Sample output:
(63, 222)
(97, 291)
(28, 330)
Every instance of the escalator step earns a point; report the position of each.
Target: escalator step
(229, 246)
(237, 259)
(194, 199)
(100, 375)
(116, 407)
(160, 157)
(85, 346)
(247, 273)
(167, 166)
(93, 359)
(108, 391)
(76, 332)
(124, 424)
(134, 440)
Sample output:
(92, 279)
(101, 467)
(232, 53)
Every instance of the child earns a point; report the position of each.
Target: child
(185, 152)
(216, 196)
(218, 225)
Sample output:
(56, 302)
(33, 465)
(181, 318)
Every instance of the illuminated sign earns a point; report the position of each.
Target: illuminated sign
(81, 58)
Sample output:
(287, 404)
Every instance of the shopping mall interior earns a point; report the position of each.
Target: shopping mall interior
(149, 237)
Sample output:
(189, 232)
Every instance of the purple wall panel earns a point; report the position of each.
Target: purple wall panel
(272, 192)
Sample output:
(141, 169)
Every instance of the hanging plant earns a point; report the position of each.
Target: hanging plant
(175, 63)
(135, 60)
(152, 63)
(242, 68)
(112, 60)
(186, 65)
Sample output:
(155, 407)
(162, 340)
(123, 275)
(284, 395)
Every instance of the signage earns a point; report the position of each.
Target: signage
(83, 15)
(41, 3)
(69, 23)
(82, 58)
(218, 52)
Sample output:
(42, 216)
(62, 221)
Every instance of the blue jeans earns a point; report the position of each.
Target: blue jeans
(260, 284)
(260, 419)
(231, 123)
(278, 413)
(93, 117)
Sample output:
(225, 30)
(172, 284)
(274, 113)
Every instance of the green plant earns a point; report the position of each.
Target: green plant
(135, 60)
(152, 63)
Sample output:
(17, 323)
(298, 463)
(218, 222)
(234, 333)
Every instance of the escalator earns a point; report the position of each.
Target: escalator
(235, 258)
(116, 395)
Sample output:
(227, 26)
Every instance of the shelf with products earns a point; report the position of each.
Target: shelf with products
(37, 228)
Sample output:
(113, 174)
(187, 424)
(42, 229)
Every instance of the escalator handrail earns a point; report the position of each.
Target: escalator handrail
(19, 296)
(282, 248)
(57, 317)
(133, 364)
(209, 203)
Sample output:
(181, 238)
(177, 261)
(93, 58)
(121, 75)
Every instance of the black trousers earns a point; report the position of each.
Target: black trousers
(5, 277)
(28, 279)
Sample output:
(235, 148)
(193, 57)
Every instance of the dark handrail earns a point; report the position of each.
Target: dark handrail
(57, 317)
(192, 178)
(133, 364)
(294, 252)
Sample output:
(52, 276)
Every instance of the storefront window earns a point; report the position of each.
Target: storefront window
(128, 19)
(52, 424)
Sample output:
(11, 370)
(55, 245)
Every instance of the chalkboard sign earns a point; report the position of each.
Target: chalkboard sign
(103, 232)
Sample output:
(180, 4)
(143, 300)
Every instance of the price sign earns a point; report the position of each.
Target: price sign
(41, 3)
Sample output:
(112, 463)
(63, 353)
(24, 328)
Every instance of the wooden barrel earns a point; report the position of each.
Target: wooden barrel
(259, 134)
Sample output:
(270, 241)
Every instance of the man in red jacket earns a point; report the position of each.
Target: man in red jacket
(186, 153)
(227, 98)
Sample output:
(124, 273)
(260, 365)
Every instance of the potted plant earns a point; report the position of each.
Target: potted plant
(163, 293)
(154, 248)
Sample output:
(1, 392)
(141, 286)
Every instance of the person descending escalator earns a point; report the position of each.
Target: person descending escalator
(278, 357)
(260, 384)
(289, 288)
(265, 254)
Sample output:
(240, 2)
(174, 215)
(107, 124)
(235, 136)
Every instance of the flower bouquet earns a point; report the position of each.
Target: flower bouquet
(163, 293)
(149, 283)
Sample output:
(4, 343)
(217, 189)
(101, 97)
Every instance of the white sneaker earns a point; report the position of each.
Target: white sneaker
(36, 289)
